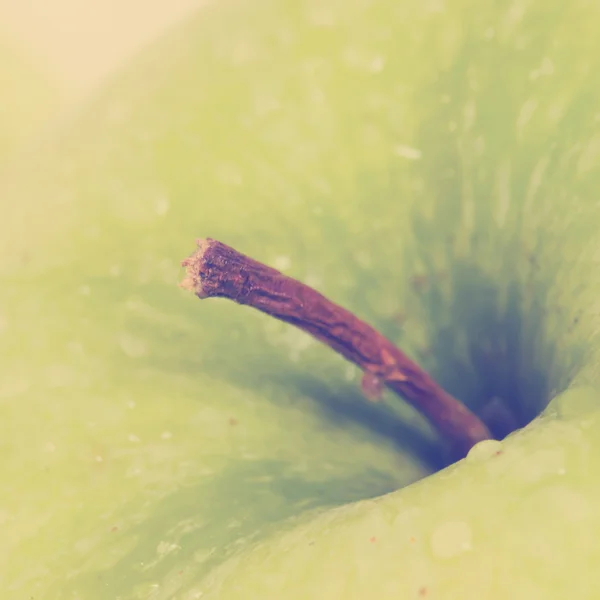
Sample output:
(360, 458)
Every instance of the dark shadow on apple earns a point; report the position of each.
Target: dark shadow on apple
(346, 404)
(499, 338)
(266, 371)
(496, 341)
(175, 538)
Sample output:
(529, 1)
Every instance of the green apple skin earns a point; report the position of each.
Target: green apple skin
(28, 100)
(433, 166)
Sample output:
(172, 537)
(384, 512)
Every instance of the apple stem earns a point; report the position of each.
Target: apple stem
(216, 270)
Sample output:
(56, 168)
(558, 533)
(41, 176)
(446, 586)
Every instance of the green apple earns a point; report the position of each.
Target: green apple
(432, 166)
(28, 99)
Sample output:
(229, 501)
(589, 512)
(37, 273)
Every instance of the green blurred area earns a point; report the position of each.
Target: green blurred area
(434, 170)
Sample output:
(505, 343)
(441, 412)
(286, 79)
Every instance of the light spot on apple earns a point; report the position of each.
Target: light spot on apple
(114, 271)
(164, 548)
(162, 206)
(60, 375)
(535, 181)
(282, 263)
(239, 51)
(406, 518)
(363, 60)
(134, 439)
(470, 114)
(266, 103)
(545, 69)
(576, 402)
(166, 435)
(363, 258)
(260, 479)
(201, 556)
(484, 450)
(503, 191)
(408, 152)
(571, 504)
(451, 539)
(556, 111)
(229, 175)
(206, 471)
(435, 6)
(134, 472)
(118, 112)
(323, 187)
(371, 386)
(320, 16)
(313, 280)
(3, 324)
(526, 113)
(76, 347)
(93, 232)
(249, 456)
(13, 387)
(350, 373)
(377, 64)
(516, 13)
(541, 464)
(132, 346)
(479, 145)
(293, 340)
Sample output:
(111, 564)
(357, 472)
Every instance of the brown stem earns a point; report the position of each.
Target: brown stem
(216, 270)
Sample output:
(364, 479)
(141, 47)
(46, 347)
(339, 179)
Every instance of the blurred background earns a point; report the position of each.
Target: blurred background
(78, 42)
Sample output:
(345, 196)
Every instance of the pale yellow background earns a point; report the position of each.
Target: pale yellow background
(81, 41)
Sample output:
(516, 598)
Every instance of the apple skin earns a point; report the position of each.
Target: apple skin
(430, 166)
(515, 519)
(28, 99)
